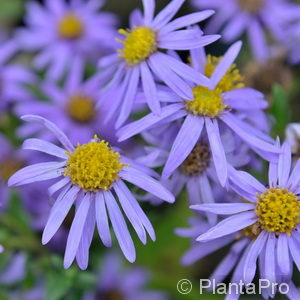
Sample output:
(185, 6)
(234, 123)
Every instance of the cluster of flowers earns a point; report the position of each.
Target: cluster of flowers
(198, 122)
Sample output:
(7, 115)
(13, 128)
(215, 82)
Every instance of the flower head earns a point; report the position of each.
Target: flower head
(223, 102)
(91, 178)
(272, 213)
(141, 57)
(63, 32)
(72, 106)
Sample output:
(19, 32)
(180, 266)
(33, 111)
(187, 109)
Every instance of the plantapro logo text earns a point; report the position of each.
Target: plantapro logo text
(242, 288)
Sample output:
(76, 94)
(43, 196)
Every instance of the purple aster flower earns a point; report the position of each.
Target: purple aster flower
(62, 32)
(72, 108)
(258, 18)
(14, 77)
(239, 245)
(141, 57)
(273, 215)
(116, 282)
(218, 104)
(90, 176)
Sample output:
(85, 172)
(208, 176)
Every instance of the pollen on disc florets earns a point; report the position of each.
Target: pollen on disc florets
(206, 102)
(251, 6)
(138, 44)
(93, 166)
(230, 81)
(81, 108)
(70, 26)
(278, 210)
(197, 161)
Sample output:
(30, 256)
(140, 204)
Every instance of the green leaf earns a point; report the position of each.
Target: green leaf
(57, 285)
(280, 110)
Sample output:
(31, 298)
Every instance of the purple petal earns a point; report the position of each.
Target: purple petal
(225, 64)
(130, 93)
(131, 213)
(184, 143)
(250, 260)
(59, 211)
(76, 231)
(246, 182)
(82, 255)
(102, 220)
(167, 75)
(151, 119)
(284, 164)
(53, 128)
(224, 208)
(229, 262)
(149, 7)
(36, 172)
(58, 185)
(186, 40)
(167, 14)
(294, 250)
(183, 70)
(270, 262)
(283, 255)
(245, 98)
(187, 20)
(257, 41)
(217, 150)
(200, 250)
(120, 227)
(146, 183)
(229, 225)
(45, 147)
(150, 89)
(238, 127)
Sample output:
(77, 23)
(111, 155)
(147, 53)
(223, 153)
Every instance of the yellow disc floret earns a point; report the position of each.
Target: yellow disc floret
(206, 102)
(70, 27)
(81, 108)
(230, 81)
(278, 210)
(93, 166)
(138, 44)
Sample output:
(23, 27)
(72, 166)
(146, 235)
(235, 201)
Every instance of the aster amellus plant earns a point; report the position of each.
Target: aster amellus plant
(142, 57)
(212, 106)
(91, 178)
(270, 213)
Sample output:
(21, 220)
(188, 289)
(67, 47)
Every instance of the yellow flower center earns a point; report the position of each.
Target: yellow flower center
(278, 210)
(252, 6)
(206, 102)
(70, 27)
(93, 166)
(197, 161)
(8, 167)
(138, 44)
(81, 108)
(231, 80)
